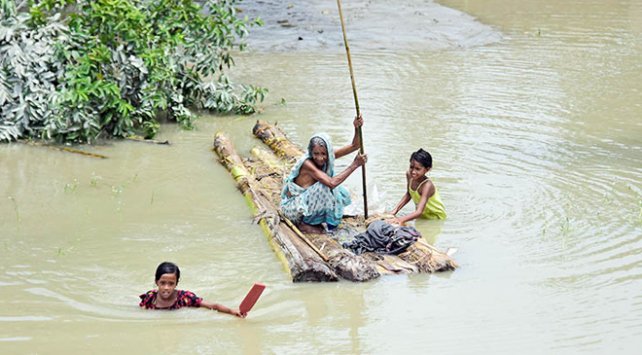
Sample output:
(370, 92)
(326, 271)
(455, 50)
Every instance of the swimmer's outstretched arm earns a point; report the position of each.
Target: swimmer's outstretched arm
(220, 308)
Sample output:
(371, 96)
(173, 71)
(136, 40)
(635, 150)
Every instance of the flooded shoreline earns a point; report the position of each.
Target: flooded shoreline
(373, 25)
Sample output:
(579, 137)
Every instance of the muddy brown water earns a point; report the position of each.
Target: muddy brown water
(532, 112)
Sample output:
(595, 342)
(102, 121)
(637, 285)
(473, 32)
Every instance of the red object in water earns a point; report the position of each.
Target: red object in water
(251, 298)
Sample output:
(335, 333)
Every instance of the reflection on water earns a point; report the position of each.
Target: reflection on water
(537, 145)
(430, 229)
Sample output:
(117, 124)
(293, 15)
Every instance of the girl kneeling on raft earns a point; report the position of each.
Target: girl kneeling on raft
(421, 190)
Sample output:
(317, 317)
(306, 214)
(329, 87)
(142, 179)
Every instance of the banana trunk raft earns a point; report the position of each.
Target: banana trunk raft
(311, 257)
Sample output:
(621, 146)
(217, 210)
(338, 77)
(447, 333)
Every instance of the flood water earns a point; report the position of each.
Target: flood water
(536, 135)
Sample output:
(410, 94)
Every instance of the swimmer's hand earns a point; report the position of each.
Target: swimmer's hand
(238, 313)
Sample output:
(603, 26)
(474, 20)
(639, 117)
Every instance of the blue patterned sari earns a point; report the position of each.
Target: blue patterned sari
(317, 203)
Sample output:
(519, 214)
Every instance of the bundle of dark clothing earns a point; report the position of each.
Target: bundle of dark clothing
(383, 238)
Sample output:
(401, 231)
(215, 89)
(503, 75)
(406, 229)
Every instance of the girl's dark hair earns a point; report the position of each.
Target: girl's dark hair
(168, 268)
(422, 157)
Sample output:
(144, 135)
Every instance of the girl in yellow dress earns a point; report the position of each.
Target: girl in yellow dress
(421, 190)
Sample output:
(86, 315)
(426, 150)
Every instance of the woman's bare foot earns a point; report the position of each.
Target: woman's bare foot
(308, 228)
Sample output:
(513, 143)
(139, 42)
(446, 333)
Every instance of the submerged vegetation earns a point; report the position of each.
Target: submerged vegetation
(78, 70)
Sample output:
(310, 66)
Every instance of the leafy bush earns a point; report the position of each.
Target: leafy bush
(75, 70)
(29, 72)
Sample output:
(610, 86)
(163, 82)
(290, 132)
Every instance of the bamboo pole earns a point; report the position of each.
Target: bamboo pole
(356, 105)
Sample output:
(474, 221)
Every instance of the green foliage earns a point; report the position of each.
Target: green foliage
(29, 72)
(107, 67)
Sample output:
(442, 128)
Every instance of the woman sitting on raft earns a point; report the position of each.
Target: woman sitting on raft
(311, 194)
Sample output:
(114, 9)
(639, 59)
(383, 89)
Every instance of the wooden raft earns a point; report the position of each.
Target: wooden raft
(311, 257)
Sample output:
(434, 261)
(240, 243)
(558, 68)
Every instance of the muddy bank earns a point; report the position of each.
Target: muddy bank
(382, 25)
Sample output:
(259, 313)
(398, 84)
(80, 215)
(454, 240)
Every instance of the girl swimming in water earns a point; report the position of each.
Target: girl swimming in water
(168, 297)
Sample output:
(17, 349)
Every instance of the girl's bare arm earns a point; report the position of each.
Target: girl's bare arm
(427, 190)
(405, 199)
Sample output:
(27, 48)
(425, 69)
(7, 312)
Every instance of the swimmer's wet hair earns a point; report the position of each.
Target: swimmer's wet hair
(168, 268)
